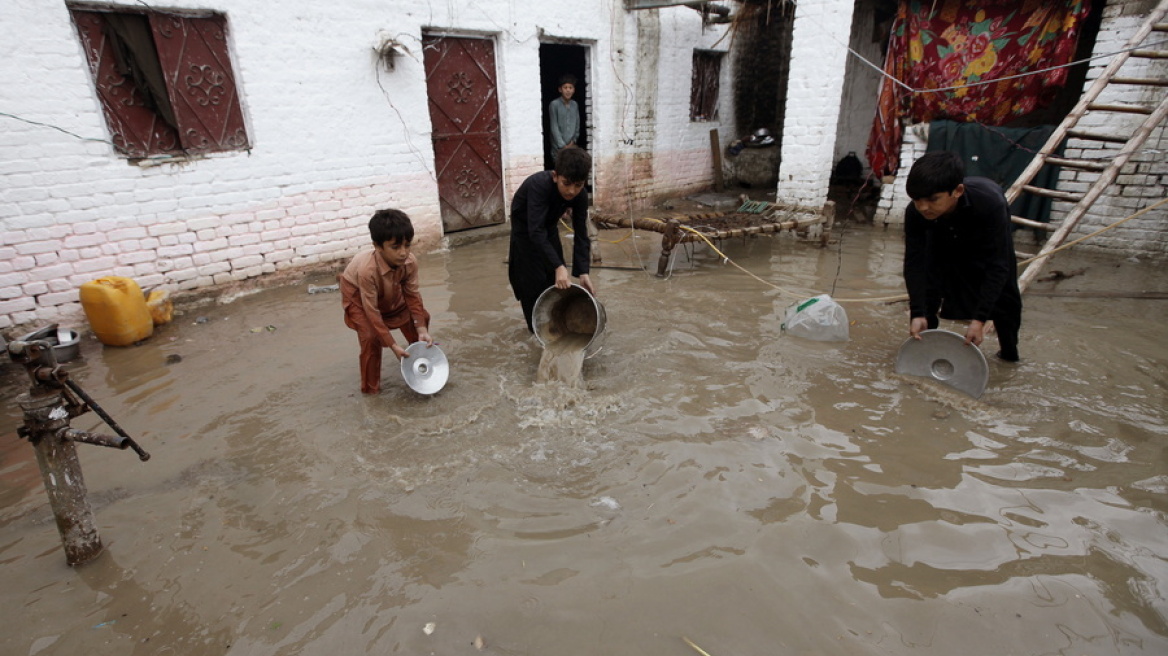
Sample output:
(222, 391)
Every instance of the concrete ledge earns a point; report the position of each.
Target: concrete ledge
(475, 235)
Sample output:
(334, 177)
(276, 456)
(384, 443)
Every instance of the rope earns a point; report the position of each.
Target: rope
(902, 297)
(607, 241)
(726, 260)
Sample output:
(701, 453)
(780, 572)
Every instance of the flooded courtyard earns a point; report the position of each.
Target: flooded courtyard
(711, 478)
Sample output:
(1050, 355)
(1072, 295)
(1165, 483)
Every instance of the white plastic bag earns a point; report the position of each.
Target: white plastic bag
(819, 318)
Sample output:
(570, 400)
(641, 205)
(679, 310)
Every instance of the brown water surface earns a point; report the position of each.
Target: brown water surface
(711, 478)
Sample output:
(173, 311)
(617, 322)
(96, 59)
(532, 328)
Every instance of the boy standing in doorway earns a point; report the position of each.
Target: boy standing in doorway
(959, 260)
(536, 259)
(564, 120)
(379, 293)
(564, 116)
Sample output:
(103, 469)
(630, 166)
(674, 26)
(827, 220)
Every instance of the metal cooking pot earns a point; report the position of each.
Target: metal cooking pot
(66, 343)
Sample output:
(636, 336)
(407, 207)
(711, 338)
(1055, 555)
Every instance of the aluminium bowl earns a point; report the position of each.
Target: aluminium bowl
(946, 358)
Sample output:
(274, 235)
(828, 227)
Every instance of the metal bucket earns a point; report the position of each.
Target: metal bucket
(558, 312)
(66, 343)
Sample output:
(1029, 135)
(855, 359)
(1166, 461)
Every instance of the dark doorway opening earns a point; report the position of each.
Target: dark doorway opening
(556, 60)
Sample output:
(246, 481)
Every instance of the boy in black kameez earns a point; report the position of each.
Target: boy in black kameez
(959, 260)
(536, 260)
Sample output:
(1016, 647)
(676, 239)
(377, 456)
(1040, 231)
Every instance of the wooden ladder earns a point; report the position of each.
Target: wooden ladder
(1127, 144)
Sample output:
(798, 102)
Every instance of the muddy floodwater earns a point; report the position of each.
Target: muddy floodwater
(710, 478)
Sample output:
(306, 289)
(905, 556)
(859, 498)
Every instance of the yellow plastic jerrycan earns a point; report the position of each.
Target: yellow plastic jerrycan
(116, 310)
(161, 307)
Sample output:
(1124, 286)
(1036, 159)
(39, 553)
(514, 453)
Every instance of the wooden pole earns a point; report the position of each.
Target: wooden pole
(668, 240)
(828, 223)
(716, 152)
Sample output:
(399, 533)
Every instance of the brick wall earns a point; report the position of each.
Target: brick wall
(814, 95)
(654, 150)
(893, 197)
(334, 136)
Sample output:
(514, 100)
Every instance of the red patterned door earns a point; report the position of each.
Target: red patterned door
(464, 111)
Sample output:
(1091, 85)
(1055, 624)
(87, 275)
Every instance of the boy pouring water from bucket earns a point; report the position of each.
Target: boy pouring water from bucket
(536, 260)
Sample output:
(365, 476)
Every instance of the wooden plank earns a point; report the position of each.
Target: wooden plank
(1098, 294)
(1037, 225)
(1093, 136)
(1068, 196)
(1140, 81)
(1082, 164)
(1130, 109)
(716, 151)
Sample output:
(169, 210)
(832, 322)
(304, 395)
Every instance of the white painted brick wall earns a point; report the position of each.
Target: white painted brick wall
(334, 137)
(655, 150)
(893, 197)
(814, 95)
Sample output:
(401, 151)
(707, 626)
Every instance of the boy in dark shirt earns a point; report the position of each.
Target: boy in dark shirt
(959, 261)
(536, 259)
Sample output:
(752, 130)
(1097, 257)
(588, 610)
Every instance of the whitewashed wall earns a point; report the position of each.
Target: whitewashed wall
(654, 150)
(862, 80)
(814, 95)
(334, 137)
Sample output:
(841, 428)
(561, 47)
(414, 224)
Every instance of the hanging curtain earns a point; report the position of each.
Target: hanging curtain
(937, 44)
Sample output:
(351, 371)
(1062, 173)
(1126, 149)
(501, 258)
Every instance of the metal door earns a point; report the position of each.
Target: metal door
(464, 111)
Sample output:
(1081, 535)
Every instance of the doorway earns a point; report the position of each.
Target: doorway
(555, 61)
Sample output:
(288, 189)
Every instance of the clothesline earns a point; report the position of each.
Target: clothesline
(997, 79)
(880, 69)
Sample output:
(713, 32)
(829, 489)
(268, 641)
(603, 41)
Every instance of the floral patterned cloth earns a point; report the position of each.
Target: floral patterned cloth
(940, 44)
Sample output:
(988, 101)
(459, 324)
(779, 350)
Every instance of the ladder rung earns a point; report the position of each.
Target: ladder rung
(1150, 54)
(1081, 164)
(1141, 81)
(1051, 193)
(1089, 136)
(1160, 27)
(1130, 109)
(1037, 225)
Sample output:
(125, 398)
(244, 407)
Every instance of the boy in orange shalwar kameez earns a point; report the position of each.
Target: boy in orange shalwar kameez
(379, 292)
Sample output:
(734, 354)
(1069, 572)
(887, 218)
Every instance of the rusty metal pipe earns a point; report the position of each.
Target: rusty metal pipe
(112, 441)
(142, 455)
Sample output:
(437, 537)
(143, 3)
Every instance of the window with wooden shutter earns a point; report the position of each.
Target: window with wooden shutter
(165, 81)
(703, 98)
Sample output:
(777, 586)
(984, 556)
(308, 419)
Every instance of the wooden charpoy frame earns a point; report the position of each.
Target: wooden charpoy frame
(673, 229)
